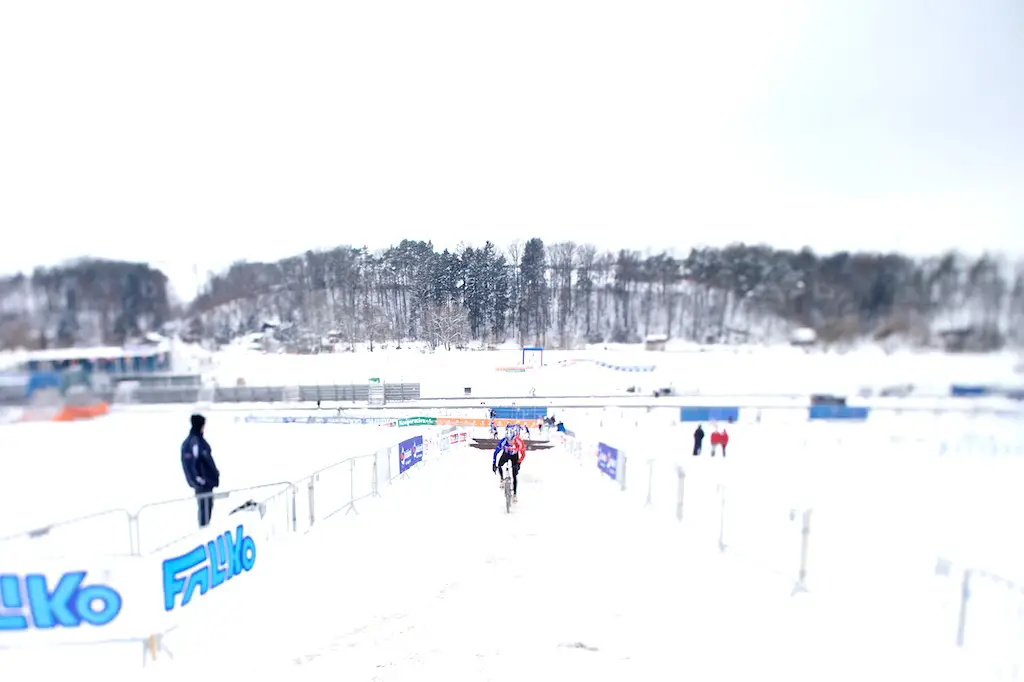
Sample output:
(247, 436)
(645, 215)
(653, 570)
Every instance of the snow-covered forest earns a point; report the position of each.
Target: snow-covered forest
(559, 295)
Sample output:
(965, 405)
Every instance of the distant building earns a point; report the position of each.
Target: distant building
(656, 342)
(973, 339)
(143, 359)
(803, 337)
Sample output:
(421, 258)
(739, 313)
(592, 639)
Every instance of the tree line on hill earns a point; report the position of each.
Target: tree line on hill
(559, 295)
(87, 302)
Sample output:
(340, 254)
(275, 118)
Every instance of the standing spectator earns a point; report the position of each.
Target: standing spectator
(716, 440)
(724, 440)
(200, 470)
(698, 440)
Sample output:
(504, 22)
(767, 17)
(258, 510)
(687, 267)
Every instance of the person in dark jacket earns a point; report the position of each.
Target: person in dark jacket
(698, 440)
(200, 470)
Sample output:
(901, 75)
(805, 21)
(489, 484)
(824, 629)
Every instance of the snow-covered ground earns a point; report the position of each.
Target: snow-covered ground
(127, 460)
(590, 580)
(737, 370)
(435, 580)
(438, 582)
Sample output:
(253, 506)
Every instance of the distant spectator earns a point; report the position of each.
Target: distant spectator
(725, 440)
(200, 470)
(698, 440)
(716, 440)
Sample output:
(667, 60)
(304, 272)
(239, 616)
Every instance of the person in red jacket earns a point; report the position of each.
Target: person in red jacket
(716, 440)
(724, 440)
(520, 447)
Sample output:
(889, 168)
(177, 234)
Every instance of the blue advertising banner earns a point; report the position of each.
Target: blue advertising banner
(410, 453)
(970, 391)
(207, 567)
(837, 412)
(608, 460)
(32, 601)
(527, 412)
(709, 414)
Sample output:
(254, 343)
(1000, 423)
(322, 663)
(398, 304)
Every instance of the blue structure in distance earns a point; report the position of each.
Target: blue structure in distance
(970, 391)
(980, 391)
(43, 380)
(709, 414)
(837, 412)
(528, 412)
(107, 360)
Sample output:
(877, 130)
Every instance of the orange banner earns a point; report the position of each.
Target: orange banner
(74, 412)
(467, 421)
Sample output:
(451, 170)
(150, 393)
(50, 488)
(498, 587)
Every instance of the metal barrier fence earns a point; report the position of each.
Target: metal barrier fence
(185, 394)
(873, 569)
(989, 618)
(707, 512)
(286, 506)
(12, 396)
(159, 529)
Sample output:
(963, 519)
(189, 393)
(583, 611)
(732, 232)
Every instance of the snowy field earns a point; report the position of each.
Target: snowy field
(420, 581)
(576, 582)
(127, 460)
(434, 581)
(707, 370)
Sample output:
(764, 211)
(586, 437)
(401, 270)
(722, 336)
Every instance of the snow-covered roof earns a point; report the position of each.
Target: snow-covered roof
(94, 353)
(803, 335)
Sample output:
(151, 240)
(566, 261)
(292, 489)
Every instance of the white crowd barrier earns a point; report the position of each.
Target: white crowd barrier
(863, 535)
(120, 577)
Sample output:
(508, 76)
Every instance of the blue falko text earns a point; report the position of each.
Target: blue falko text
(207, 566)
(27, 602)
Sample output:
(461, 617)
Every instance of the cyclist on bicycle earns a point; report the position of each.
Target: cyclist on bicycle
(510, 451)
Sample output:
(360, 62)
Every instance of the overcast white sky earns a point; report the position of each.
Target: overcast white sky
(197, 133)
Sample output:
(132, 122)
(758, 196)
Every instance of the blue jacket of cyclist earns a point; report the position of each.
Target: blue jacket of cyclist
(505, 445)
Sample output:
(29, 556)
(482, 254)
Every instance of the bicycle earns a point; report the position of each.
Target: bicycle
(506, 484)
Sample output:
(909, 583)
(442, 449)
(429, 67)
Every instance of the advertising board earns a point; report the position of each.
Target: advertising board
(608, 460)
(410, 453)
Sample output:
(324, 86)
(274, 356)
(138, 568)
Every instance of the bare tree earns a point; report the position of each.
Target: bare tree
(449, 324)
(563, 265)
(375, 324)
(515, 257)
(403, 292)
